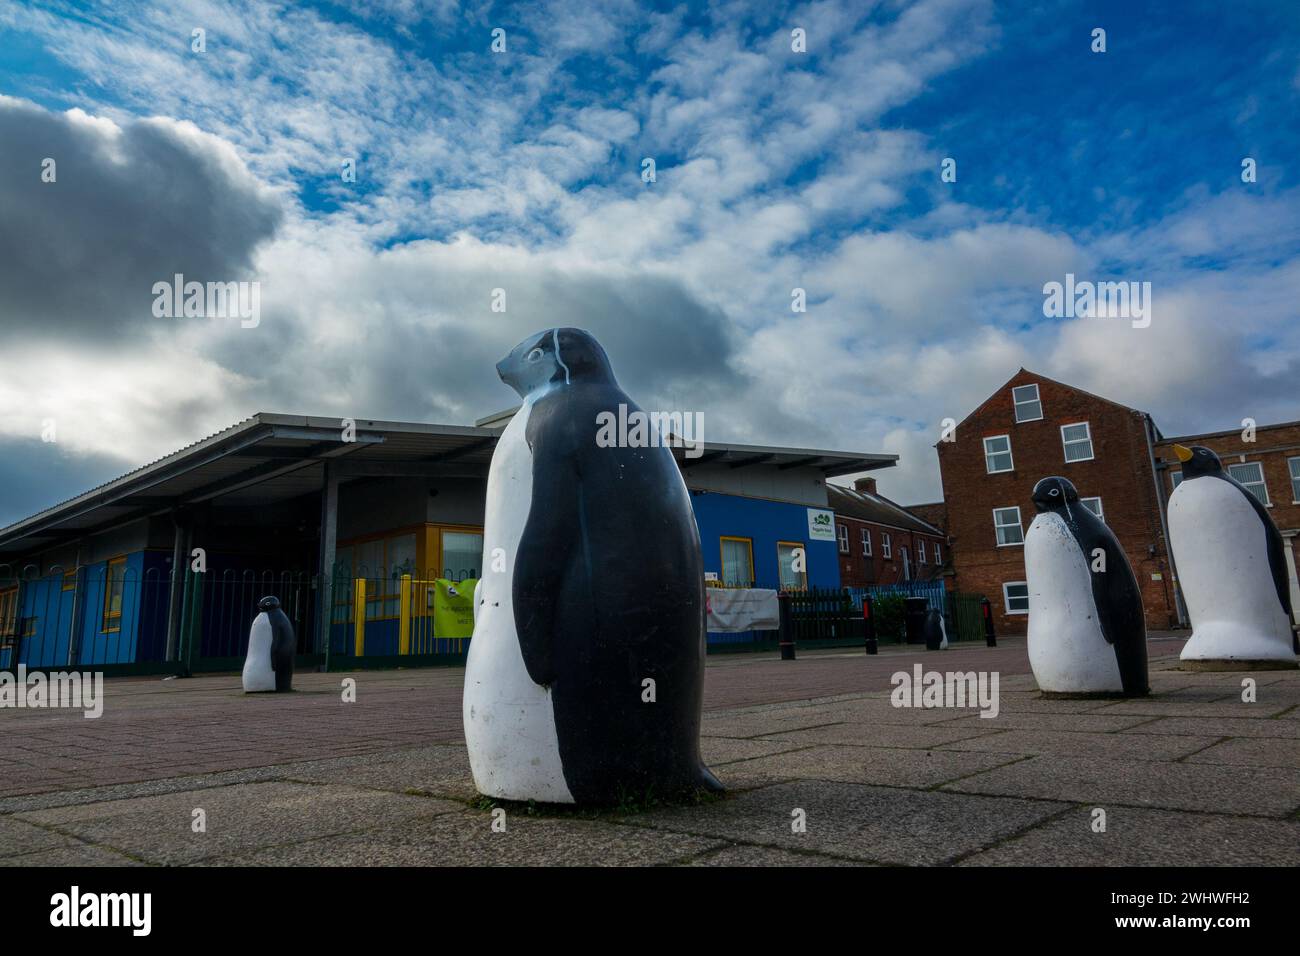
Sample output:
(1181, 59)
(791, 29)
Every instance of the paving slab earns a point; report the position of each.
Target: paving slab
(852, 821)
(1226, 727)
(466, 838)
(19, 837)
(861, 734)
(1009, 719)
(897, 767)
(75, 855)
(238, 817)
(1255, 791)
(1253, 752)
(1083, 744)
(440, 770)
(1140, 837)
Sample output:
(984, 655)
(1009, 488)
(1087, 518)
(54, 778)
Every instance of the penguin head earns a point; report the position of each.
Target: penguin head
(268, 603)
(1054, 492)
(1198, 460)
(554, 357)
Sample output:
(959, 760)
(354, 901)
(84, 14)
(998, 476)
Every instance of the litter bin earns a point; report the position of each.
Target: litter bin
(914, 609)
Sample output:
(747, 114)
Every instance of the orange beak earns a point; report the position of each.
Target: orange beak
(1183, 452)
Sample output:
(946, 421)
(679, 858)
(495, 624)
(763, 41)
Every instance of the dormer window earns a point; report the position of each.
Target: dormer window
(1028, 406)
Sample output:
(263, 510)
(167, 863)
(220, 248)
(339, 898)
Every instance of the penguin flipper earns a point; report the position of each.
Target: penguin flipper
(547, 544)
(1120, 614)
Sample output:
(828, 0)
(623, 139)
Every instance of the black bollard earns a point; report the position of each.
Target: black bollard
(986, 609)
(787, 627)
(869, 625)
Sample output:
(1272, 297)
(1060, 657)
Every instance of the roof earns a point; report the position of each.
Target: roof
(876, 509)
(265, 459)
(1184, 439)
(1045, 378)
(270, 458)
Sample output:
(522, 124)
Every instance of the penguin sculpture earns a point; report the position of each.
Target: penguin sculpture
(936, 634)
(271, 646)
(1087, 633)
(1232, 569)
(584, 678)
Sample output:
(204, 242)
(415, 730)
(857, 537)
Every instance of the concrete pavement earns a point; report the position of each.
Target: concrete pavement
(1193, 775)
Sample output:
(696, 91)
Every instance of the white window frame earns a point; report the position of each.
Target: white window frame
(1037, 399)
(1294, 465)
(866, 542)
(998, 527)
(1259, 465)
(1175, 479)
(920, 552)
(842, 533)
(938, 555)
(886, 546)
(1092, 451)
(1100, 512)
(1010, 457)
(1006, 598)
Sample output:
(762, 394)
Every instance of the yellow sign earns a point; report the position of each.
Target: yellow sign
(453, 608)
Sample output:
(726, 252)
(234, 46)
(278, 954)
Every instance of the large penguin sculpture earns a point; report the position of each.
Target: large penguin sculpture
(1087, 633)
(271, 645)
(584, 679)
(1232, 569)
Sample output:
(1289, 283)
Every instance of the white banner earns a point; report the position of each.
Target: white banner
(742, 609)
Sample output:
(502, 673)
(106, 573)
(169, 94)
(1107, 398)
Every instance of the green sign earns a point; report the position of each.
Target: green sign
(453, 608)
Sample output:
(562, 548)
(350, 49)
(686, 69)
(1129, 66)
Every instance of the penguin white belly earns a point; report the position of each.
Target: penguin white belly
(514, 752)
(1221, 552)
(258, 675)
(1067, 651)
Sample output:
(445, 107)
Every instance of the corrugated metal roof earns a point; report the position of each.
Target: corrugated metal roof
(270, 457)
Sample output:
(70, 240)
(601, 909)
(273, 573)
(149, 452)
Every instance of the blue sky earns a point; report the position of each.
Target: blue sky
(521, 171)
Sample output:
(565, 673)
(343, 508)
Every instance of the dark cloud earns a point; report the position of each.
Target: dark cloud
(131, 206)
(37, 474)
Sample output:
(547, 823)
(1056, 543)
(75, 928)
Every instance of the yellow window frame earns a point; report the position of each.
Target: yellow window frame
(722, 555)
(803, 574)
(112, 620)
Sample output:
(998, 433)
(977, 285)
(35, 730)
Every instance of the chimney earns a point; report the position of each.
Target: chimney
(865, 484)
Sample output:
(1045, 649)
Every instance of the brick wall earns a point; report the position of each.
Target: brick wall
(857, 570)
(1119, 472)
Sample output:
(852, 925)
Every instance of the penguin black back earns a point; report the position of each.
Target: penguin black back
(1200, 462)
(283, 643)
(1115, 592)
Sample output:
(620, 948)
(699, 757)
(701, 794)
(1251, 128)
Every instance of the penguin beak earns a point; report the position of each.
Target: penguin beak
(1183, 452)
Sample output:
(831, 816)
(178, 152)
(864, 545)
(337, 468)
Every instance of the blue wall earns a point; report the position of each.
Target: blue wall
(766, 522)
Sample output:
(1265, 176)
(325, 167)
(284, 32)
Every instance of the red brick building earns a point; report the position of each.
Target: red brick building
(1123, 468)
(1030, 428)
(881, 542)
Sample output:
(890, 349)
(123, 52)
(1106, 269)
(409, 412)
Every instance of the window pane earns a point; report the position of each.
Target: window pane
(1251, 474)
(736, 563)
(1007, 522)
(461, 553)
(1075, 432)
(997, 453)
(1028, 407)
(1177, 477)
(790, 578)
(997, 443)
(1092, 504)
(1295, 478)
(1017, 597)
